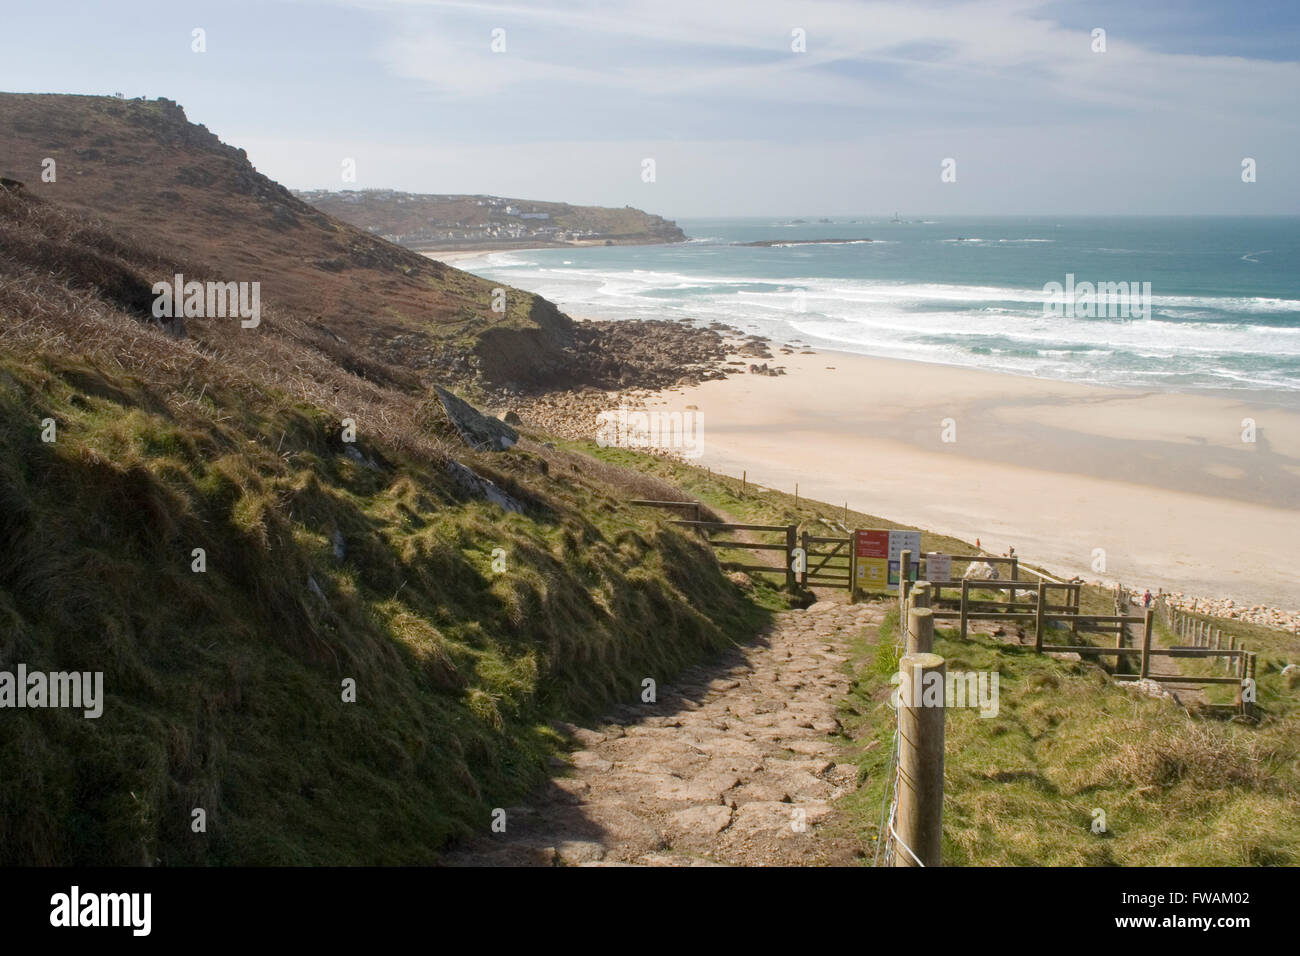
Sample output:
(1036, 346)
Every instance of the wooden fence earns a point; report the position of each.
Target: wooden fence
(911, 834)
(789, 532)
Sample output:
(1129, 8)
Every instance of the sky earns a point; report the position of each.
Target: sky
(737, 118)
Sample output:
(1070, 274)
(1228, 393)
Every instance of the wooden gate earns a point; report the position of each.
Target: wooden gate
(828, 562)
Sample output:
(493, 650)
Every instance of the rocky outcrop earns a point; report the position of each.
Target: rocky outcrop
(481, 432)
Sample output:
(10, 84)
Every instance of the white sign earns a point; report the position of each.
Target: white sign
(900, 541)
(938, 567)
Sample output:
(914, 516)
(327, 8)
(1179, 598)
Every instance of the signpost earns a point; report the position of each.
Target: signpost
(876, 557)
(900, 541)
(870, 559)
(938, 566)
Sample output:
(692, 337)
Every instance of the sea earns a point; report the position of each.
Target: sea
(1010, 294)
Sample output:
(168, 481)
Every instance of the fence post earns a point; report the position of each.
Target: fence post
(1254, 690)
(853, 567)
(1240, 663)
(1074, 622)
(1148, 627)
(965, 596)
(1015, 576)
(1146, 648)
(1038, 617)
(920, 630)
(803, 579)
(904, 570)
(919, 828)
(921, 594)
(791, 542)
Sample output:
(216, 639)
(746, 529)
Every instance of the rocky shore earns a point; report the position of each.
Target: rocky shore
(1229, 609)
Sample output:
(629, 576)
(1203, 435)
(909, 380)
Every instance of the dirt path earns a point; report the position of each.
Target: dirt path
(734, 764)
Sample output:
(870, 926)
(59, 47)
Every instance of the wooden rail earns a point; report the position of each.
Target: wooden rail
(789, 531)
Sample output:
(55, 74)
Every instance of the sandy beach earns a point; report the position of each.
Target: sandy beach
(1162, 482)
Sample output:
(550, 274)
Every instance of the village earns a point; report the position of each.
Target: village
(480, 218)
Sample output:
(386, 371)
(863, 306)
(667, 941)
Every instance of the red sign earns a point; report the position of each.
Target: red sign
(872, 544)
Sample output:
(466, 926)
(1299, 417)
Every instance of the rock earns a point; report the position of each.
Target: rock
(478, 486)
(512, 418)
(981, 571)
(698, 824)
(579, 852)
(586, 760)
(481, 432)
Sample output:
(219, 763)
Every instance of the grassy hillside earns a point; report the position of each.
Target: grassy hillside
(141, 171)
(466, 627)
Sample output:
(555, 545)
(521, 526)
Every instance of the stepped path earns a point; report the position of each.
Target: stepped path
(736, 763)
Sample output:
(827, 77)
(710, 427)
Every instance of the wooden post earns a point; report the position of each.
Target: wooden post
(853, 568)
(803, 578)
(920, 631)
(744, 481)
(1038, 617)
(904, 570)
(796, 495)
(1015, 576)
(1077, 595)
(1146, 649)
(1148, 627)
(1240, 663)
(965, 596)
(1230, 662)
(1254, 689)
(921, 594)
(791, 542)
(918, 829)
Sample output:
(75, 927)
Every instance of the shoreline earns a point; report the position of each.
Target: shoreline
(1161, 482)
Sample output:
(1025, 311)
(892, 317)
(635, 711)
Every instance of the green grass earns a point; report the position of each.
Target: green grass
(1021, 788)
(224, 688)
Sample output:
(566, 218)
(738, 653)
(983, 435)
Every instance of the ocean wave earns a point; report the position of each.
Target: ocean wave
(1188, 340)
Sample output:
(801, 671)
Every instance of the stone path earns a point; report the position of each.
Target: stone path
(734, 764)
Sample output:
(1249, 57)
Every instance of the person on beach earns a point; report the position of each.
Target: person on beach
(977, 546)
(1146, 598)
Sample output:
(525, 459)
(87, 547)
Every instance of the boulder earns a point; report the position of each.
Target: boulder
(981, 571)
(481, 432)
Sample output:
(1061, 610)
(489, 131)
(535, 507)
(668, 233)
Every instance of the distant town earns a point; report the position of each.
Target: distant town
(431, 221)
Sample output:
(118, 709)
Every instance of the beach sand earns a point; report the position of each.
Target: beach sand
(1162, 482)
